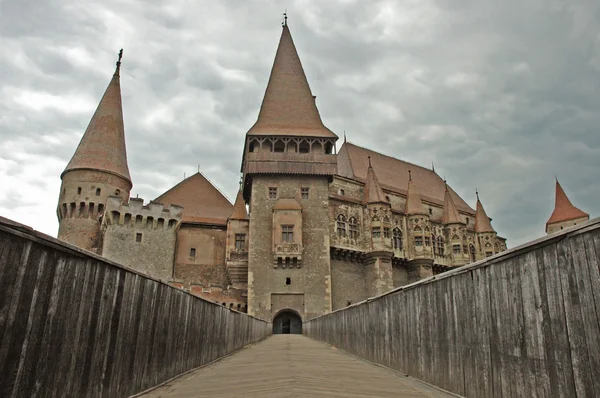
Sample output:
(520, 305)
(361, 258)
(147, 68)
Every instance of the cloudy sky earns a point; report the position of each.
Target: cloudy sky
(500, 95)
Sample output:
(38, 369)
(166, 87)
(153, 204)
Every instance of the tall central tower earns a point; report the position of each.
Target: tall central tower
(288, 163)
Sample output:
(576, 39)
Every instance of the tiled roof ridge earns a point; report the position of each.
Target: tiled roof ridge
(389, 156)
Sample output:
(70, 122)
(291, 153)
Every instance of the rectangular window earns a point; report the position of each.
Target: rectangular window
(288, 281)
(341, 228)
(427, 241)
(193, 252)
(353, 228)
(488, 254)
(138, 237)
(386, 232)
(418, 241)
(272, 193)
(304, 193)
(240, 242)
(287, 233)
(456, 249)
(376, 232)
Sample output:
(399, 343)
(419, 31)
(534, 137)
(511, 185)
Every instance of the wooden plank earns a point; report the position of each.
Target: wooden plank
(573, 316)
(589, 317)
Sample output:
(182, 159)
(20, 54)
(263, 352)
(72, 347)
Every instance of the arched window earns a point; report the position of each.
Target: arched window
(317, 147)
(304, 147)
(253, 147)
(328, 148)
(472, 252)
(440, 242)
(434, 243)
(353, 228)
(267, 146)
(341, 225)
(397, 238)
(292, 146)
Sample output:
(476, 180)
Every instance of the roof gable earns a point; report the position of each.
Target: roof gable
(202, 202)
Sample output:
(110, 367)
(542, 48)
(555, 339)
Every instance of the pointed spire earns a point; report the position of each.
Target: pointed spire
(239, 208)
(450, 215)
(413, 199)
(373, 191)
(102, 146)
(482, 221)
(288, 107)
(344, 136)
(432, 167)
(563, 208)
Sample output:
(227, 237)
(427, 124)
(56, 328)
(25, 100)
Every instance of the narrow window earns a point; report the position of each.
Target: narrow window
(138, 237)
(397, 238)
(427, 241)
(288, 281)
(467, 220)
(240, 242)
(434, 243)
(279, 146)
(78, 190)
(279, 261)
(287, 261)
(376, 232)
(295, 262)
(387, 198)
(341, 192)
(98, 191)
(150, 222)
(100, 209)
(418, 241)
(91, 210)
(160, 223)
(341, 225)
(117, 192)
(430, 211)
(138, 220)
(304, 147)
(287, 233)
(304, 193)
(386, 232)
(348, 303)
(440, 245)
(193, 252)
(272, 193)
(127, 218)
(353, 228)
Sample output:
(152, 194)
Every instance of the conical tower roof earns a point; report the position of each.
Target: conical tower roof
(563, 208)
(450, 215)
(482, 221)
(239, 208)
(288, 107)
(102, 146)
(414, 205)
(373, 192)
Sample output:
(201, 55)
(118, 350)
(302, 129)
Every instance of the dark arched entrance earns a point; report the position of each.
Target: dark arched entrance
(287, 322)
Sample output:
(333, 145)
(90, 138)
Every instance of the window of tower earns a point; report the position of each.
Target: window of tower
(341, 225)
(304, 147)
(304, 193)
(127, 218)
(149, 222)
(288, 281)
(138, 237)
(193, 252)
(64, 209)
(253, 146)
(172, 223)
(160, 223)
(240, 242)
(78, 190)
(418, 241)
(427, 241)
(328, 148)
(100, 209)
(272, 193)
(287, 233)
(91, 210)
(353, 228)
(98, 191)
(138, 220)
(292, 146)
(386, 232)
(376, 232)
(456, 249)
(279, 146)
(117, 192)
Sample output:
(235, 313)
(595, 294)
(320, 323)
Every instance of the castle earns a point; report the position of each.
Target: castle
(326, 228)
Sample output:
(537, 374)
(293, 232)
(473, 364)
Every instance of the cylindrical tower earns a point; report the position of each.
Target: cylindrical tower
(97, 170)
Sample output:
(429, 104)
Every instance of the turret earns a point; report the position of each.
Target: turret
(97, 170)
(565, 214)
(418, 233)
(485, 233)
(456, 244)
(378, 261)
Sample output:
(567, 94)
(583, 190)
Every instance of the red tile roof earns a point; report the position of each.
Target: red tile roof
(239, 208)
(201, 201)
(373, 192)
(392, 174)
(288, 107)
(450, 214)
(482, 221)
(102, 146)
(563, 208)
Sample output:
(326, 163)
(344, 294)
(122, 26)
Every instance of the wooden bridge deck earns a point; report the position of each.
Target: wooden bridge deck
(293, 366)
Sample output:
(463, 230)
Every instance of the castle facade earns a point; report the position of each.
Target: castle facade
(313, 228)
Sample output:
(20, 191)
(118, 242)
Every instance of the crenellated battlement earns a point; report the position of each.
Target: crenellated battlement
(152, 216)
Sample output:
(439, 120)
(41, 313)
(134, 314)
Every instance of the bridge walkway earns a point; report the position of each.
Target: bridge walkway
(293, 366)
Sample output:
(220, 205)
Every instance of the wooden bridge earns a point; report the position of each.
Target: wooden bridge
(524, 323)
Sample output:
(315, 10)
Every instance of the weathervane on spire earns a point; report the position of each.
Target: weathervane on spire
(119, 60)
(477, 193)
(284, 23)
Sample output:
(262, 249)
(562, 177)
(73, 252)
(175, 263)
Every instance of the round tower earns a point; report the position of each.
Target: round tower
(97, 170)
